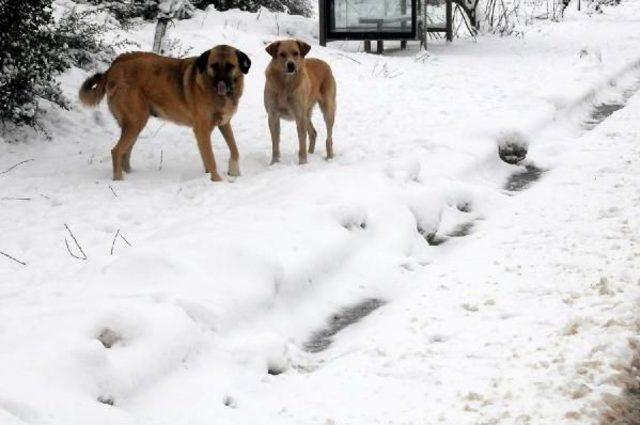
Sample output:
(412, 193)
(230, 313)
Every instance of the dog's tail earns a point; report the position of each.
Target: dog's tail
(93, 90)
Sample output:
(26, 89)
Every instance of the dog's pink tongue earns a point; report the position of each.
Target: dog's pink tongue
(222, 88)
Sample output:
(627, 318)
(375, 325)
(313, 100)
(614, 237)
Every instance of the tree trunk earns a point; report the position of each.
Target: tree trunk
(161, 31)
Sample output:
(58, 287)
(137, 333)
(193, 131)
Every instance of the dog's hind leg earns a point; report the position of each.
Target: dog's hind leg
(128, 136)
(234, 166)
(132, 120)
(126, 159)
(313, 134)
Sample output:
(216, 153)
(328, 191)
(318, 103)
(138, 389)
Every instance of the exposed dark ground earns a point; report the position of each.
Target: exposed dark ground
(625, 409)
(322, 339)
(523, 179)
(601, 113)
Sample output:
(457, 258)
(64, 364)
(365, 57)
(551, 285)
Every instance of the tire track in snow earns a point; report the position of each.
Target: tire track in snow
(512, 150)
(625, 408)
(600, 103)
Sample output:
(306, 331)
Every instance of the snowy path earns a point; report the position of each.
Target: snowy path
(519, 312)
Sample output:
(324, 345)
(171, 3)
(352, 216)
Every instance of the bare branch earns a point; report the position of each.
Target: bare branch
(161, 159)
(15, 165)
(113, 191)
(14, 199)
(13, 258)
(84, 256)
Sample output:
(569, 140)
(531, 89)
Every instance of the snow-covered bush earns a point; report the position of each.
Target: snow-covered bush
(80, 38)
(31, 57)
(34, 49)
(293, 7)
(509, 17)
(595, 6)
(125, 11)
(175, 9)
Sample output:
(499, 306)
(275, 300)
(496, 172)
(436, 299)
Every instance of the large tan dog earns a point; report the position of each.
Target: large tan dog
(201, 93)
(293, 87)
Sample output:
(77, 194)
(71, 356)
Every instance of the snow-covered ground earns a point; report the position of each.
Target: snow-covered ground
(197, 301)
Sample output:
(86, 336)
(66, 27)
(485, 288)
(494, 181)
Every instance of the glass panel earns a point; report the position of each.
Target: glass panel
(370, 15)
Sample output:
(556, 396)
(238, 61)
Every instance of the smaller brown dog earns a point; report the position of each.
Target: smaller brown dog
(293, 87)
(202, 93)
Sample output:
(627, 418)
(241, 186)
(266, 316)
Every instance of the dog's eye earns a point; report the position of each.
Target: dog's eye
(296, 54)
(282, 55)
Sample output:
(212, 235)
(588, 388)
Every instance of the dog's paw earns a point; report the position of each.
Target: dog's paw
(234, 169)
(215, 177)
(275, 160)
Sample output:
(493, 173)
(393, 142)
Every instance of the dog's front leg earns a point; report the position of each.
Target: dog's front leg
(203, 131)
(274, 128)
(234, 166)
(301, 123)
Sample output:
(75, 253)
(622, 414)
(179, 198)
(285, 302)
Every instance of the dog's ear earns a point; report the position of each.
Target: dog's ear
(304, 48)
(202, 61)
(272, 48)
(243, 61)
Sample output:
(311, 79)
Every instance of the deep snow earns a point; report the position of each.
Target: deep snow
(524, 320)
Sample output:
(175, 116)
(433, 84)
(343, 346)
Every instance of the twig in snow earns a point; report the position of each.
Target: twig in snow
(115, 237)
(348, 57)
(113, 244)
(113, 191)
(158, 130)
(13, 258)
(161, 158)
(125, 240)
(15, 165)
(15, 199)
(66, 242)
